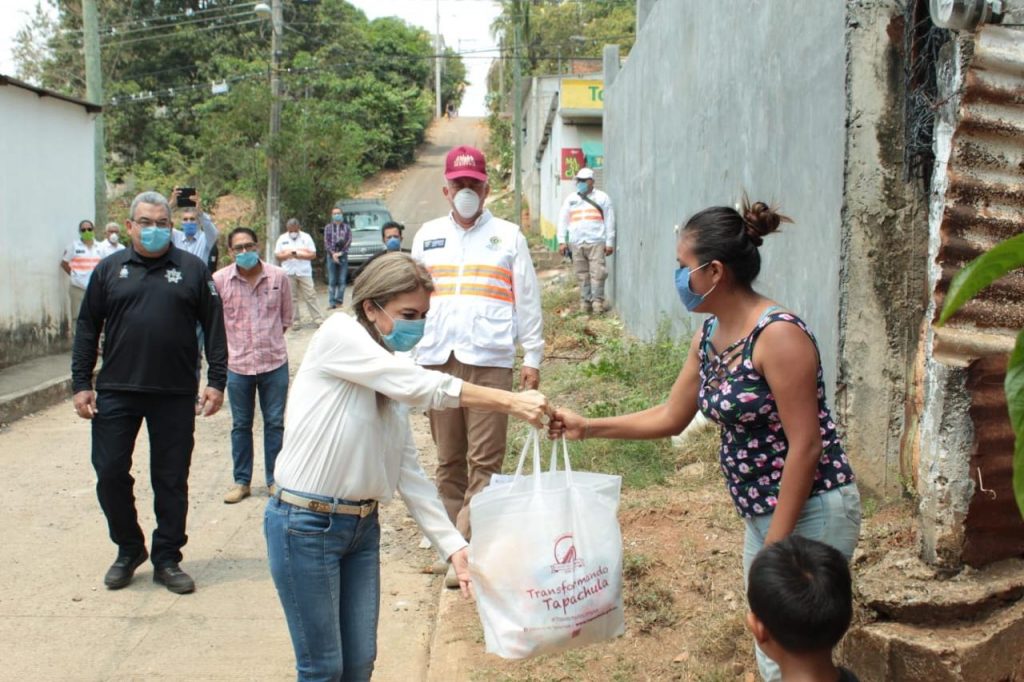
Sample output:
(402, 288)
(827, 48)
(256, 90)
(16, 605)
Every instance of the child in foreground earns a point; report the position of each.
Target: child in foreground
(800, 607)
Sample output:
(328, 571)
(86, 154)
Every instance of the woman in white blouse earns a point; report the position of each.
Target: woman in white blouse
(348, 446)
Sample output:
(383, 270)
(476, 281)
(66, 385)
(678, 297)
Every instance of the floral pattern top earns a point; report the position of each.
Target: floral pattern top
(753, 454)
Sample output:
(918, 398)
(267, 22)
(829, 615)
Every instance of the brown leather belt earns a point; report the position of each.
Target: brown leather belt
(361, 510)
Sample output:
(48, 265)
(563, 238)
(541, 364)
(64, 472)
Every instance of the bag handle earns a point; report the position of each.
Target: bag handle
(553, 467)
(532, 439)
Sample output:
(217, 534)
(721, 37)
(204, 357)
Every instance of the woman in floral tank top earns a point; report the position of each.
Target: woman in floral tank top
(753, 369)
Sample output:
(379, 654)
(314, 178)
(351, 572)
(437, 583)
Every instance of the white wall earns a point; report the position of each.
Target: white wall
(46, 188)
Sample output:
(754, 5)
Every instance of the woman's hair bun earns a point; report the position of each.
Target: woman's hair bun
(760, 220)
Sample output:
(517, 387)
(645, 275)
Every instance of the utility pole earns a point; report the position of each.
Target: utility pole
(94, 93)
(517, 126)
(437, 58)
(273, 162)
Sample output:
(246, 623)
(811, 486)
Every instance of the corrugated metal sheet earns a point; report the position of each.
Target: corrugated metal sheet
(984, 205)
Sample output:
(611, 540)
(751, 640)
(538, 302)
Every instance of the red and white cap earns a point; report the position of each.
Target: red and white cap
(465, 162)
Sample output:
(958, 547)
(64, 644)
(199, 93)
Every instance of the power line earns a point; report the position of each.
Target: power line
(166, 17)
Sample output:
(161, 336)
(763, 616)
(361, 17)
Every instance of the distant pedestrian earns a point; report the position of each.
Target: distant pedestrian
(198, 235)
(486, 301)
(450, 111)
(348, 448)
(391, 233)
(112, 243)
(337, 239)
(148, 299)
(257, 312)
(79, 260)
(296, 251)
(586, 225)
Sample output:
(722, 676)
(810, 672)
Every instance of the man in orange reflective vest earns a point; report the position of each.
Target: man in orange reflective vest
(486, 301)
(586, 224)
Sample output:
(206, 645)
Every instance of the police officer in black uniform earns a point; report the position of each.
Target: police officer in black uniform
(148, 299)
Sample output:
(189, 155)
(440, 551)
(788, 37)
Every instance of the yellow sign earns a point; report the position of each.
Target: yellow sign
(582, 94)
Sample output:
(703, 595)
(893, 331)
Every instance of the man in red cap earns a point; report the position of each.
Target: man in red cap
(486, 300)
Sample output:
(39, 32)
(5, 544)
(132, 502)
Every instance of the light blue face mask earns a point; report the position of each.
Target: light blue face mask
(393, 244)
(190, 229)
(247, 260)
(690, 299)
(582, 187)
(405, 334)
(155, 239)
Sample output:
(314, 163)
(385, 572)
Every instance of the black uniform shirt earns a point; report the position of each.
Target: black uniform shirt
(149, 308)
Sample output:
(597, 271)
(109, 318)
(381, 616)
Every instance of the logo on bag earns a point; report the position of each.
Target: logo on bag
(565, 554)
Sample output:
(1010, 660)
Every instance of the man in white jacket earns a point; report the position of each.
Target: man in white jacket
(486, 300)
(586, 224)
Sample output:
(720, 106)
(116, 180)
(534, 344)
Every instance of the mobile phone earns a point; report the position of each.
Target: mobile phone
(185, 195)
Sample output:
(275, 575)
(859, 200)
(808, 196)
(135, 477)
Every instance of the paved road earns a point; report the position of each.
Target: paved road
(57, 621)
(418, 198)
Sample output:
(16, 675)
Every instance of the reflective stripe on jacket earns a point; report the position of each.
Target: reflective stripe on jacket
(486, 296)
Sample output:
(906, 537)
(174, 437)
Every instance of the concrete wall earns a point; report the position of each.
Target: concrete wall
(46, 187)
(715, 99)
(807, 111)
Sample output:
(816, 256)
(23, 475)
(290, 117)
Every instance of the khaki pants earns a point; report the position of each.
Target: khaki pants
(588, 262)
(304, 286)
(470, 443)
(76, 295)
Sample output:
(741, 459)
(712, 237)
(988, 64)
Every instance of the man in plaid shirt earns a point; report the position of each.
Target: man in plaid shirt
(257, 311)
(337, 238)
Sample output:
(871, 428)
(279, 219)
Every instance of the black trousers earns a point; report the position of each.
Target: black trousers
(170, 421)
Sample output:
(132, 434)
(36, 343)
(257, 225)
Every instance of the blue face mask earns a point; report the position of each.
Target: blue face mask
(155, 239)
(686, 294)
(393, 244)
(336, 218)
(405, 334)
(582, 187)
(189, 229)
(247, 260)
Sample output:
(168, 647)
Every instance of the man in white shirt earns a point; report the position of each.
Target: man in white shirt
(296, 250)
(112, 243)
(79, 260)
(486, 299)
(587, 224)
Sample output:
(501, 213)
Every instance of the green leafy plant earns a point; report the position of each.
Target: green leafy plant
(975, 276)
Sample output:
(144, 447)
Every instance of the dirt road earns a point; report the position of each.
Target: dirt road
(57, 621)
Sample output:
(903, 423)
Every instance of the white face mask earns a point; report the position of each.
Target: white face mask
(114, 238)
(466, 203)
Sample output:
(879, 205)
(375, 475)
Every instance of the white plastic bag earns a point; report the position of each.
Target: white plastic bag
(546, 558)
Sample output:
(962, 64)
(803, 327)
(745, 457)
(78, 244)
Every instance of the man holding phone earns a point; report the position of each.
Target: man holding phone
(190, 237)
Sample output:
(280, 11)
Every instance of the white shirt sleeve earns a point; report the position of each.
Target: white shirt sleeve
(308, 243)
(609, 222)
(529, 316)
(563, 223)
(210, 230)
(424, 504)
(353, 356)
(69, 253)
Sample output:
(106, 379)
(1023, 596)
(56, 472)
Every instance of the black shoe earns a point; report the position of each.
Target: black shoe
(121, 571)
(174, 579)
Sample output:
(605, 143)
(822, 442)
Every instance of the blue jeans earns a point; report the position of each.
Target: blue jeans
(326, 568)
(337, 274)
(832, 518)
(273, 390)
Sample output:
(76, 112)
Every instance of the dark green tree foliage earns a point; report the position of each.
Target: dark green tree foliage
(357, 94)
(552, 33)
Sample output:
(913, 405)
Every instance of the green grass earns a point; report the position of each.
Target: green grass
(596, 370)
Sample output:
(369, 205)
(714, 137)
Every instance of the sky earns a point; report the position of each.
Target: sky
(465, 25)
